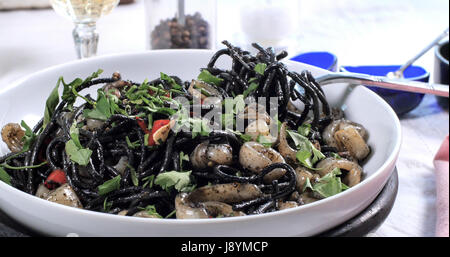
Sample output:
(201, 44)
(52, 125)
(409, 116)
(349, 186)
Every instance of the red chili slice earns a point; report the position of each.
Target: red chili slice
(56, 178)
(157, 124)
(142, 125)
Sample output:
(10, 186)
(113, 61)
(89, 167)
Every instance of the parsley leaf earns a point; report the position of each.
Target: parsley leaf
(304, 129)
(151, 210)
(76, 154)
(51, 103)
(109, 185)
(328, 185)
(307, 154)
(181, 181)
(260, 68)
(253, 86)
(4, 176)
(207, 77)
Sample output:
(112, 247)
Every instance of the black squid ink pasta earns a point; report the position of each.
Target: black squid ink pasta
(135, 150)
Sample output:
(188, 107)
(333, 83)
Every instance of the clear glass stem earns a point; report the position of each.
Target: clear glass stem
(85, 36)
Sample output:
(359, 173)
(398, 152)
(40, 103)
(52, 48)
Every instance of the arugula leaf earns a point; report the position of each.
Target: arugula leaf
(4, 176)
(260, 68)
(148, 181)
(244, 137)
(28, 138)
(151, 210)
(304, 129)
(171, 81)
(70, 92)
(109, 185)
(264, 140)
(253, 86)
(306, 150)
(183, 157)
(76, 154)
(102, 109)
(181, 181)
(207, 77)
(107, 205)
(134, 177)
(51, 103)
(328, 185)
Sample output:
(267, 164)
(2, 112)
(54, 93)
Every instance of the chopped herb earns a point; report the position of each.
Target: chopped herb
(109, 186)
(253, 86)
(171, 81)
(171, 214)
(264, 140)
(148, 181)
(183, 157)
(304, 129)
(75, 150)
(181, 181)
(151, 210)
(307, 154)
(260, 68)
(328, 185)
(76, 154)
(134, 177)
(207, 77)
(50, 104)
(131, 145)
(107, 205)
(336, 156)
(4, 176)
(28, 138)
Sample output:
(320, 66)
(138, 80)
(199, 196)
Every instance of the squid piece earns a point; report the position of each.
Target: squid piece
(282, 205)
(226, 193)
(186, 209)
(347, 136)
(302, 175)
(64, 195)
(12, 134)
(354, 170)
(255, 157)
(330, 130)
(208, 155)
(349, 139)
(288, 153)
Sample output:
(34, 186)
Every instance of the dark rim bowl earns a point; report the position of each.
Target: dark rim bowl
(440, 75)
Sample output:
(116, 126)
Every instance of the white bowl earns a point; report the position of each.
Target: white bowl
(25, 100)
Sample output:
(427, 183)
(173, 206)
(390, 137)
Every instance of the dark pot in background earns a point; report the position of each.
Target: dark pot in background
(440, 74)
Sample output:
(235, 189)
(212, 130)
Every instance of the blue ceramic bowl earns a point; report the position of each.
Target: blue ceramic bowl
(324, 60)
(401, 102)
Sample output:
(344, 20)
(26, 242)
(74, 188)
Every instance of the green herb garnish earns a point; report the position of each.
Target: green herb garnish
(109, 185)
(328, 185)
(179, 180)
(207, 77)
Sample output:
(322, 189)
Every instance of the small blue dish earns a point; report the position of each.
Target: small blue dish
(324, 60)
(401, 102)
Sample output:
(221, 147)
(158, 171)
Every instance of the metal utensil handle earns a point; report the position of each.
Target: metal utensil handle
(436, 41)
(384, 82)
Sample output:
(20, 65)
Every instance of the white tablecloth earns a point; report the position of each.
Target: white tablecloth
(358, 32)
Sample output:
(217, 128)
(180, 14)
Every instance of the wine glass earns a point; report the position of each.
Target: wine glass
(84, 13)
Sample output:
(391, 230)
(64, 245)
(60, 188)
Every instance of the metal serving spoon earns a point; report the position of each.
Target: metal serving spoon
(399, 73)
(384, 82)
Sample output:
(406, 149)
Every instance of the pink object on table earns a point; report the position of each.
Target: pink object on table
(441, 163)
